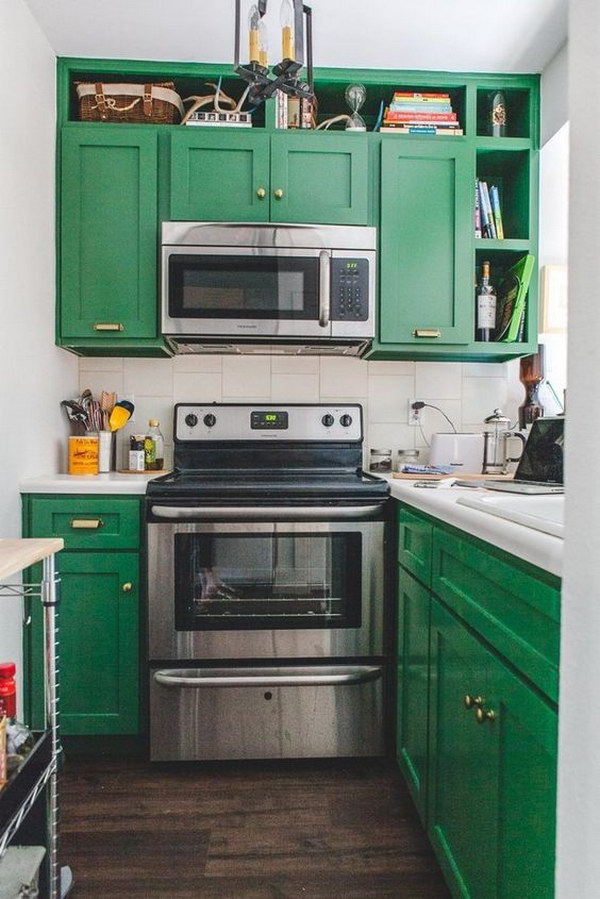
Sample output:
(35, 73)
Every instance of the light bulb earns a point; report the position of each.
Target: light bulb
(286, 17)
(253, 35)
(263, 40)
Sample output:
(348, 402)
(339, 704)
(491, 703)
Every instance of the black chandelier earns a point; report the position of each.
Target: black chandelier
(285, 76)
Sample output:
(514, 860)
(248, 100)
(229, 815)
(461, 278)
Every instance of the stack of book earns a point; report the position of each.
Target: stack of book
(295, 112)
(414, 113)
(488, 211)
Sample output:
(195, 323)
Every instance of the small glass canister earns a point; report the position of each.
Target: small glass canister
(407, 457)
(380, 460)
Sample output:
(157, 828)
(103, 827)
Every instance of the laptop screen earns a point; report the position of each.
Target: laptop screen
(542, 458)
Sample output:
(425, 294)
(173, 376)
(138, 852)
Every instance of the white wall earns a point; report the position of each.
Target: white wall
(34, 374)
(555, 110)
(466, 392)
(578, 861)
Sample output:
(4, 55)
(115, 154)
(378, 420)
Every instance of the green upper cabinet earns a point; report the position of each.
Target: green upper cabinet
(256, 177)
(426, 276)
(219, 175)
(322, 178)
(108, 234)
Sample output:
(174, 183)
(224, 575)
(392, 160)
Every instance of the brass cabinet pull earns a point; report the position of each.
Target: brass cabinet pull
(109, 326)
(278, 193)
(261, 193)
(483, 715)
(426, 332)
(86, 524)
(471, 701)
(127, 588)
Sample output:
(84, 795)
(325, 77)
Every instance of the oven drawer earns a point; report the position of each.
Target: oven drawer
(266, 712)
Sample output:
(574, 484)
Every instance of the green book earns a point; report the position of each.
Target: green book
(511, 296)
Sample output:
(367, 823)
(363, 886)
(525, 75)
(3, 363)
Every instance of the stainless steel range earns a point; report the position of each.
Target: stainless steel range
(266, 586)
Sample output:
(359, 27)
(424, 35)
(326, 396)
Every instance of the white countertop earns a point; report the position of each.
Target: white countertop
(113, 482)
(542, 550)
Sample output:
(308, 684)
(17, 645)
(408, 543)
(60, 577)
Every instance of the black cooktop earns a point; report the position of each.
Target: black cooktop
(265, 483)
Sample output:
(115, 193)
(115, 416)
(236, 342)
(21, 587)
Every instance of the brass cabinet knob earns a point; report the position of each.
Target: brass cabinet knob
(127, 588)
(261, 193)
(483, 715)
(471, 701)
(278, 193)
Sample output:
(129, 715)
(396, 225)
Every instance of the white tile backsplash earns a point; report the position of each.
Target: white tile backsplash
(440, 379)
(246, 376)
(148, 377)
(467, 392)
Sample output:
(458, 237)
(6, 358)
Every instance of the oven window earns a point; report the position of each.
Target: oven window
(243, 287)
(258, 581)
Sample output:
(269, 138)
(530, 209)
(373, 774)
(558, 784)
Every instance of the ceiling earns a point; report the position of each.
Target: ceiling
(451, 35)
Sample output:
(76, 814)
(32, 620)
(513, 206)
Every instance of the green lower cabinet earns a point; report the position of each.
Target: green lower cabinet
(413, 686)
(492, 769)
(99, 645)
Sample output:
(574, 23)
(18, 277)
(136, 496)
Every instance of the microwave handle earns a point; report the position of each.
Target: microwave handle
(324, 288)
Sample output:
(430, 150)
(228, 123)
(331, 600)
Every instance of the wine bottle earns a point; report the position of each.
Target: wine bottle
(485, 306)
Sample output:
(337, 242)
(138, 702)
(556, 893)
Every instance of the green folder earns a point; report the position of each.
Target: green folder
(511, 296)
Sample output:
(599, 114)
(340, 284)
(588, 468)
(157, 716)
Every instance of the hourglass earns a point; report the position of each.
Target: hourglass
(355, 97)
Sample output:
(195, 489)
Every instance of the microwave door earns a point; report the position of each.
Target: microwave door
(246, 291)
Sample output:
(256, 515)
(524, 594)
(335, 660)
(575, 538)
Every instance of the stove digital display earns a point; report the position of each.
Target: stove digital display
(275, 421)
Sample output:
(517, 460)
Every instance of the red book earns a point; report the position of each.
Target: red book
(405, 95)
(392, 115)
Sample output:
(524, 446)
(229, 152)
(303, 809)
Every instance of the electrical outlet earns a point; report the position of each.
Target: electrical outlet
(414, 415)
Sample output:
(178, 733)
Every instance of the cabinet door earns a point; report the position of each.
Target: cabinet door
(413, 686)
(323, 178)
(219, 176)
(98, 644)
(108, 232)
(426, 238)
(526, 730)
(463, 805)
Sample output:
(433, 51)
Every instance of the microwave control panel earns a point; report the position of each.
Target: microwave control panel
(350, 290)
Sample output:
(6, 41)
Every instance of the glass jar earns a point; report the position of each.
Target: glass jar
(380, 460)
(407, 457)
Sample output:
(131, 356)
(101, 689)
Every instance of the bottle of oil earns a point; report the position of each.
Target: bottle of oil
(154, 447)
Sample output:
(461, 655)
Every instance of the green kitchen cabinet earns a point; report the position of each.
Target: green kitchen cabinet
(108, 238)
(477, 664)
(492, 792)
(426, 223)
(413, 686)
(98, 616)
(254, 176)
(98, 644)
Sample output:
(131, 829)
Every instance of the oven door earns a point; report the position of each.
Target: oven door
(299, 589)
(245, 291)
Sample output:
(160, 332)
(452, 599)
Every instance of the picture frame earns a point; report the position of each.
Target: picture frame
(554, 299)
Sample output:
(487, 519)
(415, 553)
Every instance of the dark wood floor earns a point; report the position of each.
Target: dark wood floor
(326, 830)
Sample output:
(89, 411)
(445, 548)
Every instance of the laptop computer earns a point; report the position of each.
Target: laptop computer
(540, 468)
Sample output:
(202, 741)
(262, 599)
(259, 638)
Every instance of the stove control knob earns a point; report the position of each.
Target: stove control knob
(210, 420)
(191, 420)
(328, 420)
(346, 421)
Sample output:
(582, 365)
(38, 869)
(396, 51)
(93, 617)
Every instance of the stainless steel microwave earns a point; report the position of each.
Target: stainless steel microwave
(248, 286)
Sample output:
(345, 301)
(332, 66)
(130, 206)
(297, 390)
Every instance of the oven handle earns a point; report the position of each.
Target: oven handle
(266, 513)
(324, 289)
(353, 675)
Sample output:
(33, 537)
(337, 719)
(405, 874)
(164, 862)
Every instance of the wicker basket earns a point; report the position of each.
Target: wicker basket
(154, 104)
